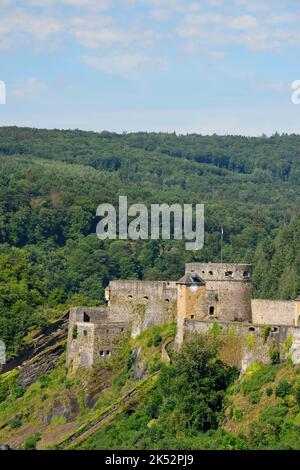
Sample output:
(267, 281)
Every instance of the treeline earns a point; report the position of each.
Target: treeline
(52, 181)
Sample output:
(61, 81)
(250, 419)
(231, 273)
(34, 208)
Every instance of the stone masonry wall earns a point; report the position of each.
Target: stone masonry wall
(142, 303)
(93, 342)
(273, 312)
(244, 343)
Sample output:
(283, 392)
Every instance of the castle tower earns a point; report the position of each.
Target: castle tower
(297, 311)
(228, 291)
(190, 298)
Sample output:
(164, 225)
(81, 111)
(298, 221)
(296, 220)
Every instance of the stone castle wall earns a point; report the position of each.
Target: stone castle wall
(244, 343)
(93, 342)
(142, 303)
(273, 312)
(220, 271)
(224, 299)
(228, 290)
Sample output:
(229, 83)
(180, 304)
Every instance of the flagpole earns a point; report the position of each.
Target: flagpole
(222, 233)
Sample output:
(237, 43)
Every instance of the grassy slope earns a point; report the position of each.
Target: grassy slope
(59, 403)
(262, 409)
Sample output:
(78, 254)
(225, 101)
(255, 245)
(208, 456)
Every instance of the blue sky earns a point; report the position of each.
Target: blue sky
(207, 66)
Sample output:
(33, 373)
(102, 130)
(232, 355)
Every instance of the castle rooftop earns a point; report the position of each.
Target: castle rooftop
(191, 279)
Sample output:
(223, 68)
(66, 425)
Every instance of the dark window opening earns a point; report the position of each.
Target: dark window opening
(251, 328)
(107, 331)
(246, 274)
(228, 273)
(129, 296)
(167, 300)
(274, 329)
(108, 353)
(85, 332)
(101, 353)
(146, 297)
(211, 310)
(210, 273)
(121, 329)
(86, 318)
(192, 317)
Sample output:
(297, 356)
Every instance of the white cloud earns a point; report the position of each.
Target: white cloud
(27, 88)
(211, 27)
(123, 65)
(276, 86)
(243, 22)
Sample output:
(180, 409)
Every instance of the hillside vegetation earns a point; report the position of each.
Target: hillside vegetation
(52, 181)
(137, 401)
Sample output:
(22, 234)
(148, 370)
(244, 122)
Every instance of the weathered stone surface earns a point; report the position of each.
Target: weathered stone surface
(42, 355)
(43, 363)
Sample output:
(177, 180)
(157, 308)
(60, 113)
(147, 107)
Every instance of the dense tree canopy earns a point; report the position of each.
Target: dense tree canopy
(52, 181)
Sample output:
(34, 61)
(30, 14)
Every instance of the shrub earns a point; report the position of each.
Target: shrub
(250, 341)
(274, 355)
(273, 412)
(237, 414)
(75, 332)
(266, 332)
(288, 344)
(260, 377)
(17, 392)
(297, 394)
(155, 337)
(4, 391)
(269, 391)
(255, 397)
(31, 441)
(283, 389)
(44, 380)
(16, 423)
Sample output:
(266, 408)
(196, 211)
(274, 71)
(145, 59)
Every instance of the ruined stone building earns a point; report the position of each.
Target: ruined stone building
(208, 297)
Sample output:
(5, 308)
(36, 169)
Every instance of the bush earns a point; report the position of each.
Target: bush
(44, 380)
(260, 377)
(274, 356)
(75, 332)
(4, 391)
(269, 391)
(155, 338)
(17, 392)
(297, 394)
(16, 423)
(31, 441)
(237, 414)
(283, 389)
(266, 333)
(255, 397)
(273, 412)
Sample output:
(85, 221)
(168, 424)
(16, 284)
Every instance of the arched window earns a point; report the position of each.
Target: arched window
(129, 296)
(211, 310)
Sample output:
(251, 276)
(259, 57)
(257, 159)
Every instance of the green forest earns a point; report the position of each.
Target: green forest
(52, 181)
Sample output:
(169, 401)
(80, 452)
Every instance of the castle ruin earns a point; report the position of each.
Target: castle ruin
(208, 297)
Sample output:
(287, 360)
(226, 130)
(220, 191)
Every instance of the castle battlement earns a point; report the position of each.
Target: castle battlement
(207, 294)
